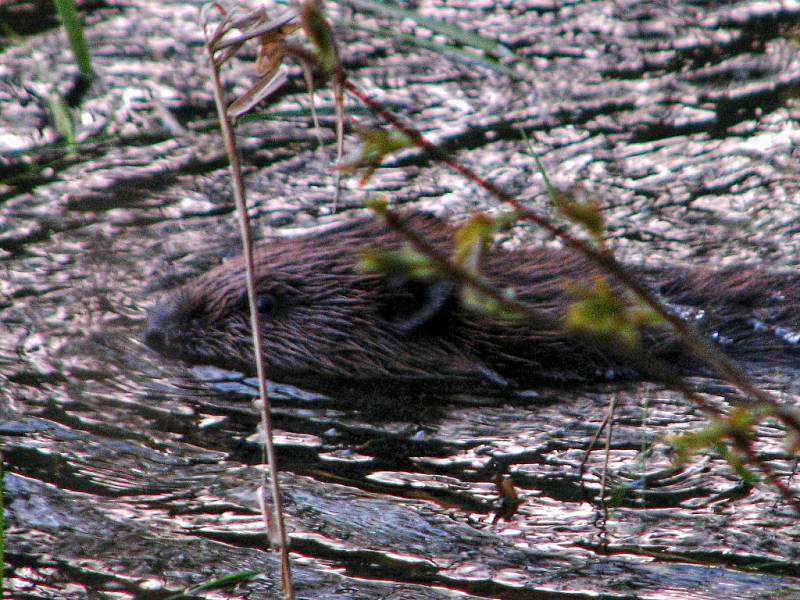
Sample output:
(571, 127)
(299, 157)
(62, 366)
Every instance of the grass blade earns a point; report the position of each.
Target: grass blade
(77, 41)
(221, 583)
(467, 38)
(455, 52)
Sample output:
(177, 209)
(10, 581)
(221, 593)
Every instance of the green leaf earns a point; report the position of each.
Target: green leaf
(475, 300)
(397, 262)
(62, 120)
(226, 581)
(378, 204)
(736, 428)
(585, 214)
(375, 145)
(617, 496)
(599, 311)
(735, 460)
(473, 240)
(688, 444)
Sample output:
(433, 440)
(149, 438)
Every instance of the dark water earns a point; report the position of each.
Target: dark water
(128, 475)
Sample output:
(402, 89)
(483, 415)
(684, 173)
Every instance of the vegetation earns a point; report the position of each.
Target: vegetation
(77, 40)
(621, 320)
(598, 312)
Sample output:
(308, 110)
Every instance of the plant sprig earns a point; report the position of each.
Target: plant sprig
(621, 318)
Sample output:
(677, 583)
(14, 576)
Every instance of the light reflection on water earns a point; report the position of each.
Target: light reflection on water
(154, 446)
(130, 474)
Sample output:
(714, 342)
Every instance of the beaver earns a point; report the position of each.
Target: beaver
(327, 323)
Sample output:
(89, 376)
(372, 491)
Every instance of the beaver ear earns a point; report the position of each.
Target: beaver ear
(413, 305)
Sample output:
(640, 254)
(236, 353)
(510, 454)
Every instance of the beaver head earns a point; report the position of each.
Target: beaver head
(323, 319)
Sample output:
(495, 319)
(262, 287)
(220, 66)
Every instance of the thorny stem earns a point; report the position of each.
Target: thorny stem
(719, 363)
(255, 324)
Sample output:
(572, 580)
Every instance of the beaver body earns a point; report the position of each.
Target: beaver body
(326, 323)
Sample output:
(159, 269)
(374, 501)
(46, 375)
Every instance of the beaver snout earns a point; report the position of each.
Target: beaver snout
(164, 319)
(158, 319)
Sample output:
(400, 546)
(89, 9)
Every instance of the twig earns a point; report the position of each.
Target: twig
(642, 360)
(587, 455)
(604, 473)
(720, 363)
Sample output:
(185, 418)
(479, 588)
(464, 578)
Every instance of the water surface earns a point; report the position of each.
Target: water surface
(129, 475)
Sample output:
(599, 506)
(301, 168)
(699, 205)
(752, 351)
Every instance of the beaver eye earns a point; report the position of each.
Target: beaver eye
(266, 304)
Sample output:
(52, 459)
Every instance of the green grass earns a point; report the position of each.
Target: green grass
(453, 32)
(77, 41)
(221, 583)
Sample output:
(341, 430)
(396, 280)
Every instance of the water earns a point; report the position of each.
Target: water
(128, 475)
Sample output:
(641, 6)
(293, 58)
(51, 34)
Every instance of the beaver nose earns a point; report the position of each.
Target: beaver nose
(158, 319)
(154, 338)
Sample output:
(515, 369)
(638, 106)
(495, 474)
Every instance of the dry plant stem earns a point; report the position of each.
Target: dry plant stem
(604, 474)
(592, 444)
(339, 98)
(609, 432)
(309, 77)
(699, 345)
(247, 242)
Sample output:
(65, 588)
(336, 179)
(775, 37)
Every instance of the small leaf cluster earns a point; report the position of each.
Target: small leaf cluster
(728, 436)
(376, 145)
(471, 243)
(599, 310)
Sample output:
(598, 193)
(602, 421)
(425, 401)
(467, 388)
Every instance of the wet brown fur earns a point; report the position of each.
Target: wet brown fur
(331, 323)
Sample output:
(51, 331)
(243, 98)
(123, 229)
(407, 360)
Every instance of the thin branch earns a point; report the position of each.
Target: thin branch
(592, 445)
(720, 363)
(646, 362)
(609, 431)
